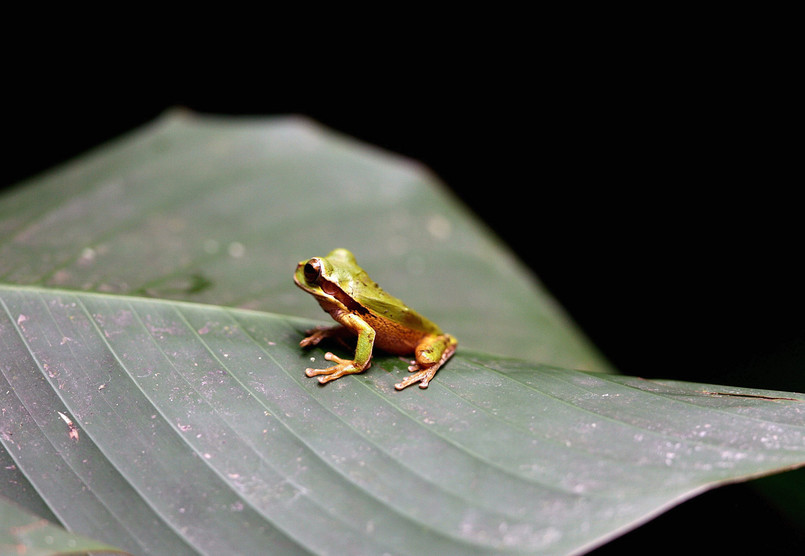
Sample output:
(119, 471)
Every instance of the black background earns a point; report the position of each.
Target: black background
(661, 208)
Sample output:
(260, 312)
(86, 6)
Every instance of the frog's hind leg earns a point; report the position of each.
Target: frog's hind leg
(431, 354)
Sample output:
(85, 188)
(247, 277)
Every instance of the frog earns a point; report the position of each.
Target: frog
(363, 310)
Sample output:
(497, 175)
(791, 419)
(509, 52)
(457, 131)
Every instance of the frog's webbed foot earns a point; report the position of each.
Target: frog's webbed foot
(422, 375)
(431, 354)
(342, 367)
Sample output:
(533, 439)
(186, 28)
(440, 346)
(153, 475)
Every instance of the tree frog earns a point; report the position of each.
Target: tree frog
(362, 309)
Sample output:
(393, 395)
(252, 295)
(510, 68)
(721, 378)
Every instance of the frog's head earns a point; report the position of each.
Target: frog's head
(328, 278)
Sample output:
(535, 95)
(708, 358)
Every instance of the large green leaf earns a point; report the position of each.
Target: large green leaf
(197, 429)
(219, 211)
(199, 432)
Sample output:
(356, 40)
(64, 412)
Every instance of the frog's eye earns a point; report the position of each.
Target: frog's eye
(312, 271)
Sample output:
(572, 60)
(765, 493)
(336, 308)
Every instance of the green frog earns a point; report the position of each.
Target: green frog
(363, 309)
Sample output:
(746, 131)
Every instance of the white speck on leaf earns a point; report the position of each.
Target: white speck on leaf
(236, 250)
(439, 227)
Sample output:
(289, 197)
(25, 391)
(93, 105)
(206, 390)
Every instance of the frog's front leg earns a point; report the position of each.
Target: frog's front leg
(431, 353)
(363, 352)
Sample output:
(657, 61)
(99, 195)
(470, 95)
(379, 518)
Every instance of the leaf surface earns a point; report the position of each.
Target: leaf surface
(199, 433)
(25, 533)
(219, 211)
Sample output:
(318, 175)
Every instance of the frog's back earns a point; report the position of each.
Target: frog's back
(385, 306)
(396, 311)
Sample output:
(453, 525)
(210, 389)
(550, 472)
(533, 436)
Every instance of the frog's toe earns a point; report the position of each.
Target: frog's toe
(423, 377)
(331, 357)
(327, 378)
(328, 374)
(314, 336)
(343, 367)
(313, 372)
